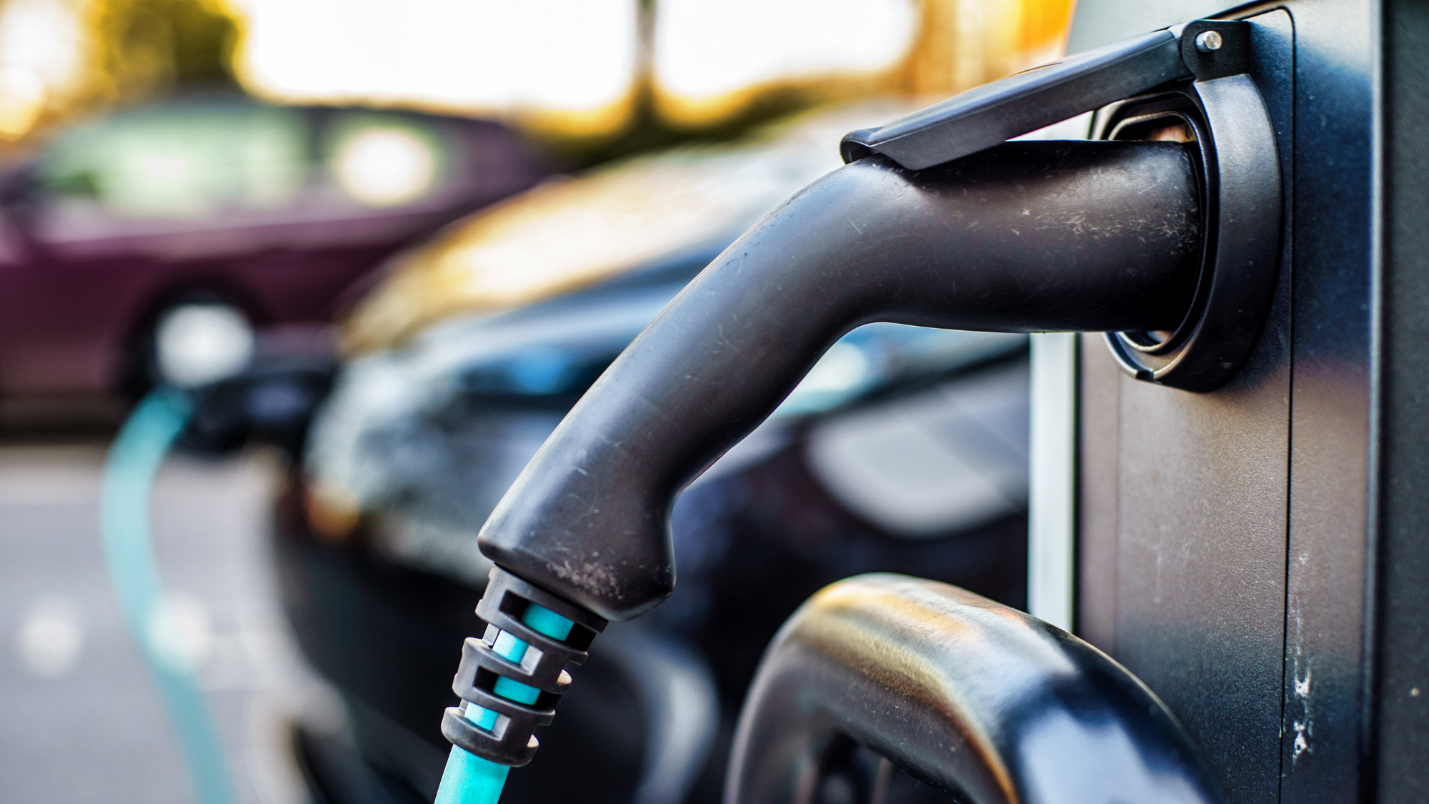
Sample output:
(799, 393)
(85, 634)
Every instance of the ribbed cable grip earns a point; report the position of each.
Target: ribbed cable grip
(511, 679)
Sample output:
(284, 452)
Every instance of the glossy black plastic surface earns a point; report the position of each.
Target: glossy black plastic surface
(1401, 708)
(1243, 233)
(982, 701)
(1184, 562)
(1242, 550)
(1022, 237)
(993, 113)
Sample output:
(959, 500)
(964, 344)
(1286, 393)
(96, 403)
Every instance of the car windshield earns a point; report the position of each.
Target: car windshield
(181, 161)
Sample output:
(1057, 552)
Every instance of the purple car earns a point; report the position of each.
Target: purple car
(267, 213)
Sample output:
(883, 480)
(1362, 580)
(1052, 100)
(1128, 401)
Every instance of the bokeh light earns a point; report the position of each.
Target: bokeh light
(384, 166)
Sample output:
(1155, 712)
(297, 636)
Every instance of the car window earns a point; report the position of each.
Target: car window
(181, 161)
(384, 160)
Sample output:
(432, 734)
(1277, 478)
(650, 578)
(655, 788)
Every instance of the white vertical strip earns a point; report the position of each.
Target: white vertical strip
(1050, 559)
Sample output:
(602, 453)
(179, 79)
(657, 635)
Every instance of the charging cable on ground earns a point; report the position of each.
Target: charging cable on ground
(130, 470)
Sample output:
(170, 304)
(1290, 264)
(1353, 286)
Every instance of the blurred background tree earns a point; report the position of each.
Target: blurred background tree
(65, 59)
(144, 47)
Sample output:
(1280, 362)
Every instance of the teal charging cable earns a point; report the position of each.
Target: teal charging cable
(470, 779)
(130, 469)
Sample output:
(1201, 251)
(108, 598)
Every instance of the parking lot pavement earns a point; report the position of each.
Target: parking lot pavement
(80, 718)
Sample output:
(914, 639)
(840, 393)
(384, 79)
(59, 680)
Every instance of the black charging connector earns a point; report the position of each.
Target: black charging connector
(523, 654)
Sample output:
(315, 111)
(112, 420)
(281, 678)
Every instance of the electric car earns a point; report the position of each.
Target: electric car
(904, 450)
(216, 199)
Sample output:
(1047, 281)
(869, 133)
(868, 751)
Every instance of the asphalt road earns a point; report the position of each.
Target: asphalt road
(80, 717)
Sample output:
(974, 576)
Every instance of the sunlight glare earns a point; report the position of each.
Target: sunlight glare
(42, 51)
(22, 98)
(572, 55)
(704, 49)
